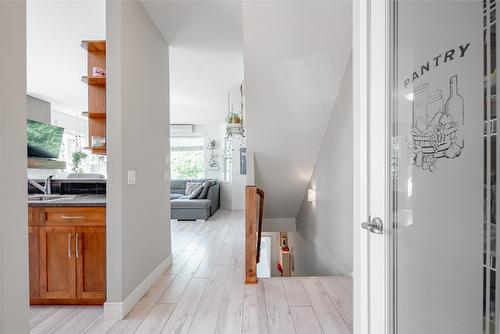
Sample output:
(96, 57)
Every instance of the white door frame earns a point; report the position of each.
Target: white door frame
(14, 284)
(371, 165)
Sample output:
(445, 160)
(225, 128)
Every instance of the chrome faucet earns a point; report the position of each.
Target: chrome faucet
(46, 188)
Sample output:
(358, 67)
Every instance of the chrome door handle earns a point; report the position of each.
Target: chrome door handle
(76, 245)
(375, 226)
(69, 245)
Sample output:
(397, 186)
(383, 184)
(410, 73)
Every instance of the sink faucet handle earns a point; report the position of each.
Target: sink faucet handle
(48, 185)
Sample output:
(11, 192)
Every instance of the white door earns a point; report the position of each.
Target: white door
(425, 141)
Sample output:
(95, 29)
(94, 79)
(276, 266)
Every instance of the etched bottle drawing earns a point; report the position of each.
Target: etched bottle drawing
(454, 107)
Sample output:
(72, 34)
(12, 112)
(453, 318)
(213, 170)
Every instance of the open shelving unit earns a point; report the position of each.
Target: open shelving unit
(94, 80)
(96, 113)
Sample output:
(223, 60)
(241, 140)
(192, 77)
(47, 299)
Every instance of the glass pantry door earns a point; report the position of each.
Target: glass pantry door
(443, 167)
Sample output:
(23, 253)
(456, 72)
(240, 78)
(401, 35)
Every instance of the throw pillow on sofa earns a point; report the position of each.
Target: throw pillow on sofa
(196, 191)
(207, 184)
(190, 186)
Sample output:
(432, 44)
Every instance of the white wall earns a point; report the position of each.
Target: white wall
(14, 312)
(56, 61)
(38, 109)
(206, 56)
(226, 196)
(138, 217)
(323, 241)
(295, 56)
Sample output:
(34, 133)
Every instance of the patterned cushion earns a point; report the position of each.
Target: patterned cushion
(190, 186)
(196, 191)
(207, 184)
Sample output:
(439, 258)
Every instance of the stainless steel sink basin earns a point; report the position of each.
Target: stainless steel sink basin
(47, 198)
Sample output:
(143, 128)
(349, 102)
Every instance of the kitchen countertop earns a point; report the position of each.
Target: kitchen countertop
(73, 180)
(78, 200)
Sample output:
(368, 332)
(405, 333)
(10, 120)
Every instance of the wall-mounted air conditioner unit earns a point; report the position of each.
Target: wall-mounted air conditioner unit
(181, 129)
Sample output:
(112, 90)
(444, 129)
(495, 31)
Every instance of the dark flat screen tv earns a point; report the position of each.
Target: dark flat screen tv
(44, 140)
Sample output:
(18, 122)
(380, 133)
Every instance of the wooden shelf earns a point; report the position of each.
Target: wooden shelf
(96, 111)
(101, 150)
(94, 46)
(94, 114)
(98, 81)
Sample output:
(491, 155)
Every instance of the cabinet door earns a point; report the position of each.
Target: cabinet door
(57, 263)
(91, 263)
(34, 262)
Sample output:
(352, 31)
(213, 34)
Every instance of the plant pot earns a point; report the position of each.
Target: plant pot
(236, 120)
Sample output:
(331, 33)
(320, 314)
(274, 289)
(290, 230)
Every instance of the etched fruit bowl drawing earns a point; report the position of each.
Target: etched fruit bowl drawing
(437, 141)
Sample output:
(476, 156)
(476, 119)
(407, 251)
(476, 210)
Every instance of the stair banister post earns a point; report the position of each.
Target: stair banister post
(251, 235)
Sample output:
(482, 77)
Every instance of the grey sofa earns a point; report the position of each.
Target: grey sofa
(192, 209)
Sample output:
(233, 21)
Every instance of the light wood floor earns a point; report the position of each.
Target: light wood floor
(203, 292)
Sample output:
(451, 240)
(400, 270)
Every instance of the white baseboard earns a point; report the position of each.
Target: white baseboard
(118, 311)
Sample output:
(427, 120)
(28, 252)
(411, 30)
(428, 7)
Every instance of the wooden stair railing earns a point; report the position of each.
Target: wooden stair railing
(253, 231)
(261, 194)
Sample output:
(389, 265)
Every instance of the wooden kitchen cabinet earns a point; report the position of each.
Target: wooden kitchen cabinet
(57, 263)
(34, 262)
(67, 255)
(91, 263)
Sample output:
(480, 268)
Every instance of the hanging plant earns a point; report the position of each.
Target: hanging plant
(234, 120)
(211, 146)
(228, 148)
(77, 158)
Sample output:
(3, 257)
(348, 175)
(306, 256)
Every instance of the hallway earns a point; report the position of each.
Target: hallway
(203, 292)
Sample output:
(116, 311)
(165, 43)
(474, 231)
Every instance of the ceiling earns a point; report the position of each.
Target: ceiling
(206, 56)
(55, 60)
(296, 54)
(206, 53)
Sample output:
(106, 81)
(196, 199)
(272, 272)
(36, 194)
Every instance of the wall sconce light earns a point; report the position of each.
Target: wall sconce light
(311, 195)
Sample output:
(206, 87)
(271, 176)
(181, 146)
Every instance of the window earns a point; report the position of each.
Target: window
(187, 157)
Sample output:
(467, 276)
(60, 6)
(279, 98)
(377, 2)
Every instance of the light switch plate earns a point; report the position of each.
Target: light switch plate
(131, 176)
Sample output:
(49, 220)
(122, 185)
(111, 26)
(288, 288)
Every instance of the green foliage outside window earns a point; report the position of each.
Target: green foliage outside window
(187, 164)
